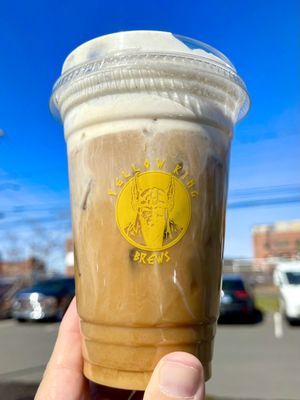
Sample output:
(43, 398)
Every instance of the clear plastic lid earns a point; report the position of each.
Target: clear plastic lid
(148, 58)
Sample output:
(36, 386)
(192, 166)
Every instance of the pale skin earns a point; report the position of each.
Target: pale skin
(177, 376)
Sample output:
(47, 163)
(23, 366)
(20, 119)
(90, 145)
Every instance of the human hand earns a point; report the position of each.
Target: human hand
(177, 376)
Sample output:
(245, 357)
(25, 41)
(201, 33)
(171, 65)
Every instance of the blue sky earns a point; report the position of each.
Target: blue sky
(261, 38)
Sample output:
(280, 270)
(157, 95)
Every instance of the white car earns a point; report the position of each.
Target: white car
(287, 278)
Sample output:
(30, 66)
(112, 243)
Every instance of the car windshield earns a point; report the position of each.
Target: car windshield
(232, 284)
(293, 278)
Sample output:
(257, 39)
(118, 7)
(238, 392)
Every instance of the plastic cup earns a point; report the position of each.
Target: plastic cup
(148, 119)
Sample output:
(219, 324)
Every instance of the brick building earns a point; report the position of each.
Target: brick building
(25, 268)
(69, 259)
(281, 239)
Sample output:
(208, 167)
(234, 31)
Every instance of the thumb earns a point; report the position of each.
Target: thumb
(177, 376)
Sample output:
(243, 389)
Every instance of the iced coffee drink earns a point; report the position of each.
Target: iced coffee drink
(148, 119)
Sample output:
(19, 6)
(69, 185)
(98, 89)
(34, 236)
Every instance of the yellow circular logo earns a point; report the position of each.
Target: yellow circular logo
(153, 210)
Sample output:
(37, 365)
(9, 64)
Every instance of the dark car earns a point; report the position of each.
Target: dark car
(236, 299)
(46, 299)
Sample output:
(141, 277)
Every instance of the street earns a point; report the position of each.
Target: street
(249, 361)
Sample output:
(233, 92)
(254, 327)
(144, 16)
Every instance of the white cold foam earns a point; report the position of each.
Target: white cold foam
(125, 111)
(147, 127)
(132, 41)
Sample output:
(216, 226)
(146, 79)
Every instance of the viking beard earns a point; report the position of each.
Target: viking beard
(153, 233)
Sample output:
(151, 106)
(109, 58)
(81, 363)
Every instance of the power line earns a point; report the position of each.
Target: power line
(270, 190)
(264, 202)
(26, 209)
(33, 222)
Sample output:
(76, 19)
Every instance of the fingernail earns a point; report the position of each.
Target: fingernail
(179, 379)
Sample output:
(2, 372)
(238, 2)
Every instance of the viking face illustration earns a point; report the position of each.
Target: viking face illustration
(153, 205)
(153, 210)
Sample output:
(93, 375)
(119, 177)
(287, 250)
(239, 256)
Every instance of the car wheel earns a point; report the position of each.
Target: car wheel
(60, 314)
(257, 316)
(292, 321)
(21, 320)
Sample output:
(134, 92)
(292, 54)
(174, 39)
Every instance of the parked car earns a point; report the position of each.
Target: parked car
(287, 278)
(237, 300)
(8, 289)
(5, 303)
(48, 298)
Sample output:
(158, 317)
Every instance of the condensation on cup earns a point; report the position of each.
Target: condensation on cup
(148, 119)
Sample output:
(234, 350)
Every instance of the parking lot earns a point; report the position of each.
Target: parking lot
(250, 362)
